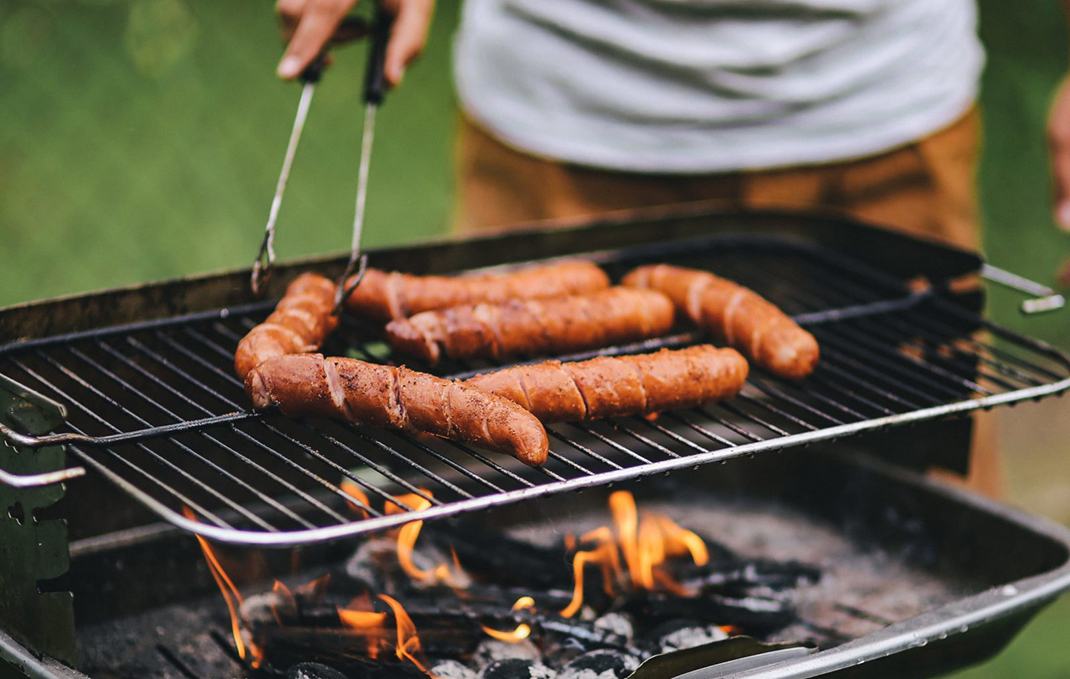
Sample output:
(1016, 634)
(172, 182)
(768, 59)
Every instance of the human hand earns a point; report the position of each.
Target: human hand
(1059, 143)
(309, 25)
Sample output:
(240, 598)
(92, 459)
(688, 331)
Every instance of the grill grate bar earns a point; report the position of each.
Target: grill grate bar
(128, 464)
(754, 418)
(822, 379)
(859, 365)
(775, 392)
(312, 452)
(588, 429)
(395, 454)
(884, 348)
(674, 436)
(890, 356)
(262, 497)
(161, 459)
(493, 465)
(772, 408)
(617, 426)
(242, 458)
(582, 448)
(271, 451)
(839, 294)
(983, 350)
(228, 377)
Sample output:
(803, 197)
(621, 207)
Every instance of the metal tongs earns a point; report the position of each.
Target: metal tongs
(374, 91)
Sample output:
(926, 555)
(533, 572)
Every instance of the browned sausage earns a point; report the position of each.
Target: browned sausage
(736, 315)
(624, 385)
(533, 327)
(383, 295)
(300, 322)
(309, 385)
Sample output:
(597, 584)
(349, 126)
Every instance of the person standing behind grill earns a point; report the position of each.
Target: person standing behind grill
(578, 107)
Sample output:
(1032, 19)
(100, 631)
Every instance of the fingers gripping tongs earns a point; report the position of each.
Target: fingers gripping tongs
(374, 90)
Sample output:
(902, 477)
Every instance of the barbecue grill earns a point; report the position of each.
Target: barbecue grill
(135, 389)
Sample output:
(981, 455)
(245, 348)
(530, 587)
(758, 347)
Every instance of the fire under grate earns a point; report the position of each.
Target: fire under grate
(837, 586)
(155, 407)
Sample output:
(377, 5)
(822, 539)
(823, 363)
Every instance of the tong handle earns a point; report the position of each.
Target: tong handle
(314, 71)
(1044, 298)
(351, 28)
(375, 77)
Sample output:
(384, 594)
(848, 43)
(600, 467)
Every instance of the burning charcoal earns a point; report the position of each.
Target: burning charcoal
(753, 614)
(490, 650)
(616, 624)
(689, 637)
(516, 668)
(314, 670)
(373, 559)
(496, 557)
(451, 669)
(604, 664)
(260, 609)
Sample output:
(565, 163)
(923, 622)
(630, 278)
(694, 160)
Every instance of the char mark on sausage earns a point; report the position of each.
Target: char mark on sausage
(617, 386)
(385, 295)
(735, 314)
(309, 385)
(533, 327)
(300, 322)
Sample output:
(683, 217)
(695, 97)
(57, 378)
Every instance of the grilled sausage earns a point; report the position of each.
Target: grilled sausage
(735, 314)
(627, 385)
(533, 327)
(300, 323)
(309, 385)
(383, 295)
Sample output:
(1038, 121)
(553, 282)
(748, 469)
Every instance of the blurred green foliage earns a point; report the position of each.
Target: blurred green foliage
(141, 139)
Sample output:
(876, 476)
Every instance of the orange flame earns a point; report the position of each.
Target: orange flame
(315, 589)
(358, 615)
(522, 631)
(407, 536)
(357, 493)
(283, 592)
(681, 540)
(604, 555)
(408, 643)
(626, 519)
(361, 619)
(231, 596)
(645, 545)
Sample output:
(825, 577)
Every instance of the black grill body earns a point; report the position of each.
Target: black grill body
(137, 384)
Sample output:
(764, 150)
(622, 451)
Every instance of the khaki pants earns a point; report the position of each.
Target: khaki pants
(925, 188)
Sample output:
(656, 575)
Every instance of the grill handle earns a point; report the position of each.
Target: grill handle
(1044, 298)
(37, 480)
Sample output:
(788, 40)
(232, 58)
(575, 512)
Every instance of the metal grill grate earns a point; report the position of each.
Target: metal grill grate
(155, 407)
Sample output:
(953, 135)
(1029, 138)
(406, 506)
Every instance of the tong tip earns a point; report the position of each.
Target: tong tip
(346, 288)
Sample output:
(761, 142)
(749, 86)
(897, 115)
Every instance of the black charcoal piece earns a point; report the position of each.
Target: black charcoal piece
(490, 650)
(314, 670)
(516, 668)
(507, 561)
(599, 665)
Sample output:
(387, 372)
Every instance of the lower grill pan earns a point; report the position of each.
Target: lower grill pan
(956, 576)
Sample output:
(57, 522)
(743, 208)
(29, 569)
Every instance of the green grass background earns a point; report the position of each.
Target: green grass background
(141, 139)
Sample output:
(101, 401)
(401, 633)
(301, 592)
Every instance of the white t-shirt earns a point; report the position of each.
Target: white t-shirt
(697, 86)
